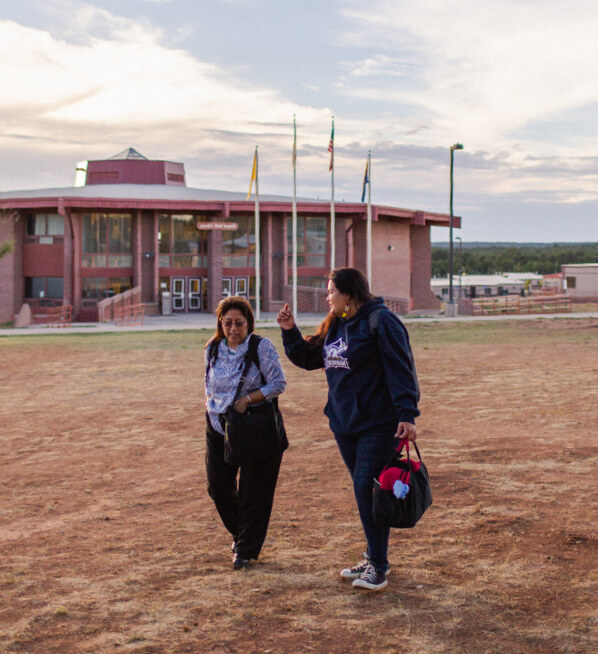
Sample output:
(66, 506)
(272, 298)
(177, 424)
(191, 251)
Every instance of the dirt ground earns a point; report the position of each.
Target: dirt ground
(109, 543)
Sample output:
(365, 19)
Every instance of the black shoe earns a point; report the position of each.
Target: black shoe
(357, 570)
(371, 579)
(240, 562)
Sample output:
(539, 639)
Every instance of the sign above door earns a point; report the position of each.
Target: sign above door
(231, 227)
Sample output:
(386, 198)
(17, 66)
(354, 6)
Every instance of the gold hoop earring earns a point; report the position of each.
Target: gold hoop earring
(346, 311)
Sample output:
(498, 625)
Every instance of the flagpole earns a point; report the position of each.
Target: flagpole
(369, 223)
(332, 217)
(257, 240)
(294, 217)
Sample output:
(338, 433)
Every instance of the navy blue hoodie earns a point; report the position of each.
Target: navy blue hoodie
(372, 383)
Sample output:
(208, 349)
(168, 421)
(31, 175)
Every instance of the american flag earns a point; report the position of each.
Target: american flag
(331, 148)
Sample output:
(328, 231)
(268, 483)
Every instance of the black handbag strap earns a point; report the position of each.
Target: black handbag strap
(250, 356)
(404, 443)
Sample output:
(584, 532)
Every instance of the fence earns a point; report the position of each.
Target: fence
(56, 316)
(313, 300)
(513, 304)
(129, 314)
(112, 308)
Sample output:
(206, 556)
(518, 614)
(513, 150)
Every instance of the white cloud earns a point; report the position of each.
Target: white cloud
(128, 84)
(485, 69)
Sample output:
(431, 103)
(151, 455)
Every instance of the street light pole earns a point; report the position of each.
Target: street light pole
(458, 238)
(457, 146)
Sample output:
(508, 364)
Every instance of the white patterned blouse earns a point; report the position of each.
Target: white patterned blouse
(224, 375)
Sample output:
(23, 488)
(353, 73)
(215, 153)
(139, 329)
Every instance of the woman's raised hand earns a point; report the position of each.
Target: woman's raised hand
(285, 318)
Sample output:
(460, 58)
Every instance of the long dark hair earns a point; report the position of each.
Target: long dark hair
(351, 282)
(224, 306)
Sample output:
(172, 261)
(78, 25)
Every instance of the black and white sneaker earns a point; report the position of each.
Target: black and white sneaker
(356, 571)
(371, 579)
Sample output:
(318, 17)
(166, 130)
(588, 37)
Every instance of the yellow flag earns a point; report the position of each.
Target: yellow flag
(253, 174)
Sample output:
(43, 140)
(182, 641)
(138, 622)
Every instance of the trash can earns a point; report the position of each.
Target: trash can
(166, 303)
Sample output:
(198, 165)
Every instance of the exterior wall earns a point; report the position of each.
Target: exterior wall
(391, 256)
(10, 274)
(586, 282)
(421, 265)
(135, 171)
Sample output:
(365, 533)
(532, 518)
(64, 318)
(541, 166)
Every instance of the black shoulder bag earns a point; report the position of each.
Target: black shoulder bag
(259, 433)
(393, 504)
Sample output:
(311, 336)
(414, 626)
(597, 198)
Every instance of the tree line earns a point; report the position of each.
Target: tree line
(490, 259)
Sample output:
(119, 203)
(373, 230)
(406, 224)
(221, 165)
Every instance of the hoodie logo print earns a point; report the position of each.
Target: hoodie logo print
(332, 355)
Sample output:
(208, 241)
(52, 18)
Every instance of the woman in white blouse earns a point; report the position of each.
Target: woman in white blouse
(243, 494)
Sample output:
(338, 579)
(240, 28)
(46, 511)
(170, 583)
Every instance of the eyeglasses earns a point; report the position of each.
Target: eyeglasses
(239, 324)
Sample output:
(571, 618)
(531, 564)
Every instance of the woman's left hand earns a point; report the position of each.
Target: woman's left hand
(406, 430)
(240, 406)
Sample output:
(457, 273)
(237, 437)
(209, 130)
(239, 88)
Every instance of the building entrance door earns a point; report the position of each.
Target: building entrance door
(194, 294)
(235, 286)
(177, 292)
(186, 294)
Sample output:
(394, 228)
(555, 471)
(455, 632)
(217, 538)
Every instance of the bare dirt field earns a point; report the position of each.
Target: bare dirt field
(109, 543)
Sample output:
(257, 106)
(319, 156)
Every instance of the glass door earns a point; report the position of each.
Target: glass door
(194, 290)
(177, 291)
(241, 286)
(227, 286)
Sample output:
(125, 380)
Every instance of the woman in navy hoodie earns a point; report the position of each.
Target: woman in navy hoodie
(372, 395)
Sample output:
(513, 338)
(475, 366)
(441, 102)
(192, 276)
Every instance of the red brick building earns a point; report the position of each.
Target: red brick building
(134, 223)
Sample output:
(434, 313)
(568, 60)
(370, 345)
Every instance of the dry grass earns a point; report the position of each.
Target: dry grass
(108, 541)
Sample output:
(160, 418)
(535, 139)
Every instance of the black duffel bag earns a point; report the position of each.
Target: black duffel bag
(402, 513)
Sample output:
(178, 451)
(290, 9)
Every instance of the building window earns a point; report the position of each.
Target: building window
(44, 287)
(238, 247)
(45, 228)
(106, 240)
(98, 288)
(445, 291)
(570, 282)
(312, 237)
(181, 244)
(313, 281)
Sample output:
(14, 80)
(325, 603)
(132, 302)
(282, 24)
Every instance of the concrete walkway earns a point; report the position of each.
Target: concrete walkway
(177, 322)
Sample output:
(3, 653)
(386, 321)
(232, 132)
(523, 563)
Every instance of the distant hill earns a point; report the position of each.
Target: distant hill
(478, 258)
(507, 244)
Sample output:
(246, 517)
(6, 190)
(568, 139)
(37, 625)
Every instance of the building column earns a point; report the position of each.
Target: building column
(75, 222)
(214, 269)
(67, 257)
(266, 256)
(137, 249)
(156, 226)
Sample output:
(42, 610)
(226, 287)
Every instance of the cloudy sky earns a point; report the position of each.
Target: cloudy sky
(205, 81)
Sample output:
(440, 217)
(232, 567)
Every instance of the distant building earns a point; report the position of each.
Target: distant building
(553, 283)
(473, 286)
(133, 222)
(581, 281)
(532, 281)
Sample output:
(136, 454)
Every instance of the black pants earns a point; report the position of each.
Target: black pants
(244, 504)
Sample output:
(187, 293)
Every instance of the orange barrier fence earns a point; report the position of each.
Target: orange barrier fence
(129, 314)
(511, 304)
(59, 316)
(110, 306)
